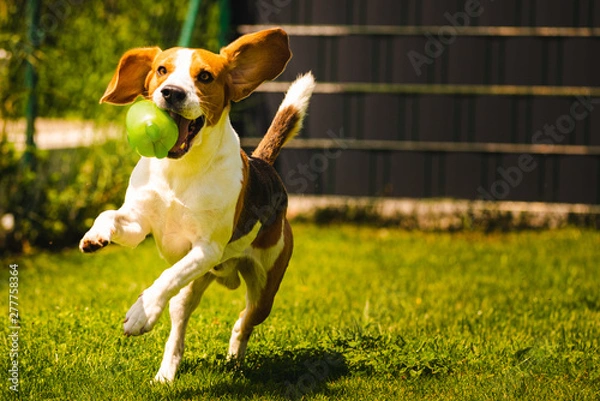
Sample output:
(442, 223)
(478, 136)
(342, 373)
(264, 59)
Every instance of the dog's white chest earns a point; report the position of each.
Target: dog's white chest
(182, 209)
(173, 228)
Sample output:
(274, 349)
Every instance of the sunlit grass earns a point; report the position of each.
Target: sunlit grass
(363, 313)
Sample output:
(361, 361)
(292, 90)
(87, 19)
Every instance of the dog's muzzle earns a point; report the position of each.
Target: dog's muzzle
(174, 101)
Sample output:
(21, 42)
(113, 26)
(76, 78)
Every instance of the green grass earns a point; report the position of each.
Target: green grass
(363, 314)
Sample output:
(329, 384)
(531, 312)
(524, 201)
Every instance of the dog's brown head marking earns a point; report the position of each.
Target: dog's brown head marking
(196, 85)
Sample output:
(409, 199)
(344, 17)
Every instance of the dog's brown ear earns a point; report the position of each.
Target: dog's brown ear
(130, 78)
(255, 58)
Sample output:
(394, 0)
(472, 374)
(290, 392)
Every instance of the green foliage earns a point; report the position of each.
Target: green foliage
(363, 314)
(81, 43)
(55, 201)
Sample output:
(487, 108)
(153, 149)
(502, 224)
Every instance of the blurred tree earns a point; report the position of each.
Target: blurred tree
(81, 43)
(12, 57)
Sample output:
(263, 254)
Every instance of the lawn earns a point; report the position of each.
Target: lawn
(363, 314)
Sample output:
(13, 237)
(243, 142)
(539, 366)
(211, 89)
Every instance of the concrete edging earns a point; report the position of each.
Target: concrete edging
(443, 214)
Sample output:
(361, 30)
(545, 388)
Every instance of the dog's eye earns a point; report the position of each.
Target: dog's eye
(162, 70)
(205, 77)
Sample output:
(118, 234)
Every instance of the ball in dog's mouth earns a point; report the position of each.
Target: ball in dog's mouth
(188, 129)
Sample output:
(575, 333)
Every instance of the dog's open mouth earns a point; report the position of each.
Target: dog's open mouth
(188, 129)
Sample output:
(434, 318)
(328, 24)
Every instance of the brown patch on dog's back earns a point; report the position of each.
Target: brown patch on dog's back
(241, 198)
(263, 200)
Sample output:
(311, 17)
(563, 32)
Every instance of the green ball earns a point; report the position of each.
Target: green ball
(150, 130)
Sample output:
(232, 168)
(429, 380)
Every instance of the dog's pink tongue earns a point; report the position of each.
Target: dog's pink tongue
(184, 126)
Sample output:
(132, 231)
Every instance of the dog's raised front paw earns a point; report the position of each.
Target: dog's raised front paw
(91, 242)
(142, 316)
(88, 246)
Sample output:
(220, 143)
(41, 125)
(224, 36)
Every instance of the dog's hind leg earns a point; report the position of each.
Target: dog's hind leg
(259, 301)
(181, 307)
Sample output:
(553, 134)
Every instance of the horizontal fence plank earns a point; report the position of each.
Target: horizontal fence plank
(449, 147)
(419, 30)
(436, 89)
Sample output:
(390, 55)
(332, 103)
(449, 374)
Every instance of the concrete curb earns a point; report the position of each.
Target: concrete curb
(443, 214)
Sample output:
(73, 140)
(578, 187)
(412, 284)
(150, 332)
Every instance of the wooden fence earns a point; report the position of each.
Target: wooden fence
(461, 99)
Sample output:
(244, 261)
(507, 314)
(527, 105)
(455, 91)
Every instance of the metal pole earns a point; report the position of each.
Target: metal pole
(33, 7)
(224, 22)
(188, 26)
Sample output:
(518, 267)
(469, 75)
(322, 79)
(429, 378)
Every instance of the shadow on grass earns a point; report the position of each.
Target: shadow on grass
(288, 374)
(298, 372)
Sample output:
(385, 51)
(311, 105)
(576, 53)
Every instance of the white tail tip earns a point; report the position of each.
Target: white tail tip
(299, 93)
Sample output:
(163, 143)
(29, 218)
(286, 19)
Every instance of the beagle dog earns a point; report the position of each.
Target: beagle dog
(215, 213)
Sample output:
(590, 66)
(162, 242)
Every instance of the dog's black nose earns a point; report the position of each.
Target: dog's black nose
(173, 94)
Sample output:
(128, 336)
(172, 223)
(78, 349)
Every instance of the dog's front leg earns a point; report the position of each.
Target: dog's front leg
(121, 226)
(144, 314)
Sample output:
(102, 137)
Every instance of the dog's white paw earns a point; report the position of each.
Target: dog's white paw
(94, 240)
(164, 377)
(143, 315)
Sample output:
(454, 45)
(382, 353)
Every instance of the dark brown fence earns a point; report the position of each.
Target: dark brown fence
(462, 99)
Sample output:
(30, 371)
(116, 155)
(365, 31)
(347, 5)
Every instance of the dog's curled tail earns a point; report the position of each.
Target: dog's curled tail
(288, 120)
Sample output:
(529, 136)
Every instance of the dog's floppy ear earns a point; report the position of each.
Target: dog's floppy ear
(129, 80)
(255, 58)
